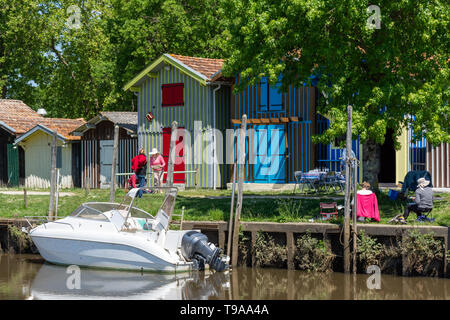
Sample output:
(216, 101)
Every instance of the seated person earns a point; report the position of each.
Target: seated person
(423, 201)
(366, 203)
(131, 182)
(411, 180)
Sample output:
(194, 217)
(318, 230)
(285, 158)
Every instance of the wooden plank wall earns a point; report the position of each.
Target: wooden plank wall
(90, 160)
(438, 164)
(299, 102)
(90, 153)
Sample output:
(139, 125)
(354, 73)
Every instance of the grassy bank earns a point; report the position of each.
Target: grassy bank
(215, 205)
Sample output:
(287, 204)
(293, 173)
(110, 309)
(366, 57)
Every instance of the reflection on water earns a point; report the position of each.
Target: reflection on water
(27, 277)
(51, 283)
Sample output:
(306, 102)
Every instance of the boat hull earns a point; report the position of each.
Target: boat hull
(97, 254)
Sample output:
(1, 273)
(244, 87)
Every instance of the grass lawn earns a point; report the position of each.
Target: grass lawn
(210, 205)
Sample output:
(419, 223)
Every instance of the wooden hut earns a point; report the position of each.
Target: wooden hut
(186, 90)
(97, 142)
(16, 118)
(37, 144)
(281, 125)
(438, 164)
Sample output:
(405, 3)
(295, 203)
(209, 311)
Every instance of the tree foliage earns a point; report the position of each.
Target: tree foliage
(78, 71)
(392, 76)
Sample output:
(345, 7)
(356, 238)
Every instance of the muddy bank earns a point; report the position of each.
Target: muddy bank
(14, 241)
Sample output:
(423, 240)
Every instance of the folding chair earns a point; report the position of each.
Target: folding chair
(328, 211)
(424, 216)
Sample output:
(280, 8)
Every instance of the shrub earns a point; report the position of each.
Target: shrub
(268, 253)
(313, 254)
(243, 248)
(369, 251)
(20, 239)
(422, 251)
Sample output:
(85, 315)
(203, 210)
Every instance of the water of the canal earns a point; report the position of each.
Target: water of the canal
(28, 277)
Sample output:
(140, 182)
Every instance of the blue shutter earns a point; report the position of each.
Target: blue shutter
(264, 94)
(275, 97)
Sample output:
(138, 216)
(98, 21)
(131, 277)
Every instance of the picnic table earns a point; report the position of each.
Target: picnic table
(318, 180)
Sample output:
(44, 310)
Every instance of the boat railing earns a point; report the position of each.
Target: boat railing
(43, 220)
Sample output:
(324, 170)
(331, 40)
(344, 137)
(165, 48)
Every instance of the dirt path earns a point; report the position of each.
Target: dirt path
(37, 193)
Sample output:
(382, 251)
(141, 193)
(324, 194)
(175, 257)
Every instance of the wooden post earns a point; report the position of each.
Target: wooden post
(173, 143)
(221, 235)
(347, 192)
(355, 228)
(254, 235)
(445, 255)
(51, 205)
(57, 192)
(405, 258)
(230, 221)
(197, 177)
(241, 168)
(112, 190)
(25, 202)
(87, 185)
(290, 246)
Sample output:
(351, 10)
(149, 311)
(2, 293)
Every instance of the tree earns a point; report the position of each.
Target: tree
(75, 62)
(141, 31)
(19, 47)
(386, 74)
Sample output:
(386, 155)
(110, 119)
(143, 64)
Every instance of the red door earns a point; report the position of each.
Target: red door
(179, 154)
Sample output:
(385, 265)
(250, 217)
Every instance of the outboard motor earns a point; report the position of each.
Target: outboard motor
(195, 247)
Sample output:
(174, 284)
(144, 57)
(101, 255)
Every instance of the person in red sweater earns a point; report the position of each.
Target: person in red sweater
(139, 167)
(132, 182)
(367, 204)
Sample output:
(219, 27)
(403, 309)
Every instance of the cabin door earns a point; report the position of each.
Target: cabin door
(179, 154)
(269, 151)
(106, 155)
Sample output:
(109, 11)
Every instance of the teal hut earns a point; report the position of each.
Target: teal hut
(191, 91)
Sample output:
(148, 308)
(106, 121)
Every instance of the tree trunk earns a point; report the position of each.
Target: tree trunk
(371, 162)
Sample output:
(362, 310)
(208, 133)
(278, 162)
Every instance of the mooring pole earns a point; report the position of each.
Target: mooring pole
(170, 166)
(112, 188)
(25, 201)
(51, 205)
(173, 143)
(240, 179)
(230, 221)
(347, 192)
(57, 192)
(355, 228)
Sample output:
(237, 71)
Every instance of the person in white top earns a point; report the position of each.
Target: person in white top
(364, 191)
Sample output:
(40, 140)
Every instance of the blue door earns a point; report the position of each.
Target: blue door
(269, 151)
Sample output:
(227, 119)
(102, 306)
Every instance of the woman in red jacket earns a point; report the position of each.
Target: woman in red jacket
(139, 166)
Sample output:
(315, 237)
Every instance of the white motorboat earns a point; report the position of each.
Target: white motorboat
(121, 236)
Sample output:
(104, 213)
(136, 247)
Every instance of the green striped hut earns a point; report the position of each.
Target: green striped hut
(191, 91)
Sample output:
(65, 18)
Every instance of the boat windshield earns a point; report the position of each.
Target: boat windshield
(94, 210)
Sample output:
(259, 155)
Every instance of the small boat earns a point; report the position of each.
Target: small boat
(121, 236)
